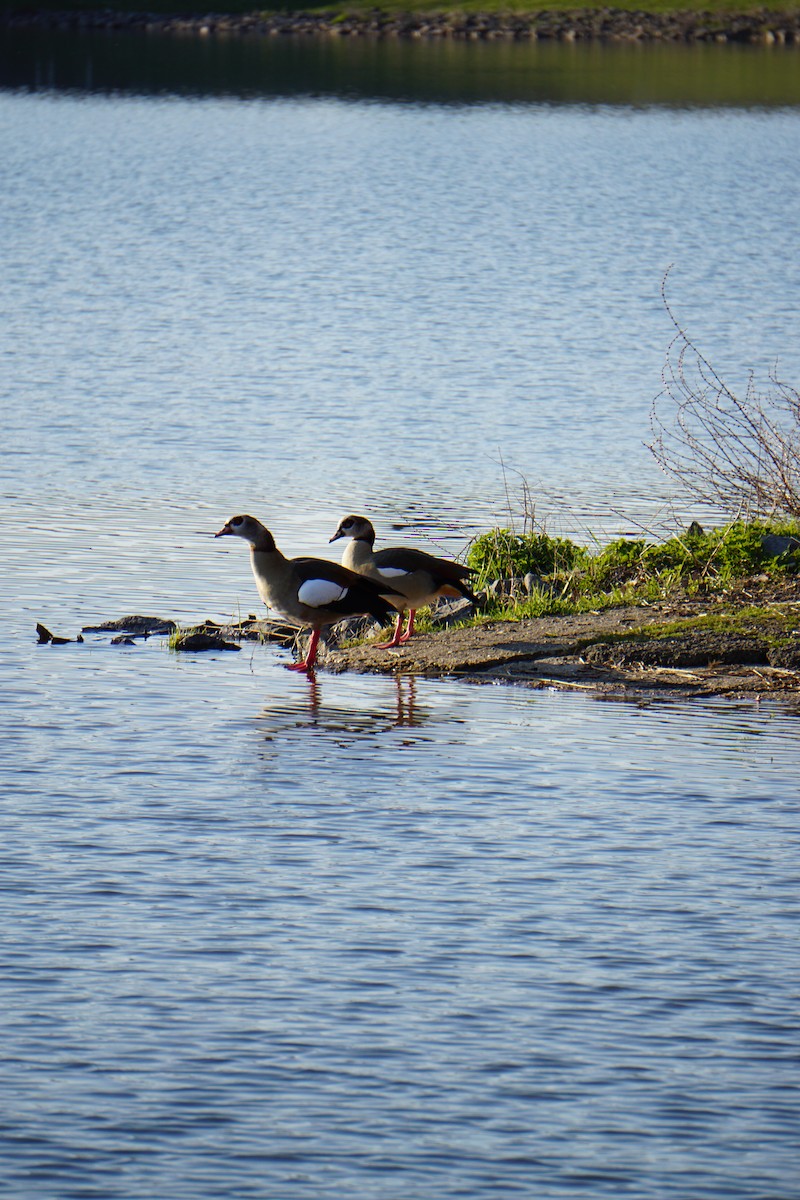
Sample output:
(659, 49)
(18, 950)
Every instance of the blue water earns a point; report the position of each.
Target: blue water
(391, 937)
(278, 938)
(320, 306)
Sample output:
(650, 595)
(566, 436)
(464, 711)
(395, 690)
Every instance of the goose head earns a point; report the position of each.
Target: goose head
(250, 529)
(355, 527)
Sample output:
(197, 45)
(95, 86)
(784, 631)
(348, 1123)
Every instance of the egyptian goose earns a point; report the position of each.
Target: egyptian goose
(418, 576)
(308, 591)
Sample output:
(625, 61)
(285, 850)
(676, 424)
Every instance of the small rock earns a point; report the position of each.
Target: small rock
(535, 583)
(203, 641)
(503, 589)
(787, 656)
(774, 545)
(452, 611)
(272, 631)
(135, 624)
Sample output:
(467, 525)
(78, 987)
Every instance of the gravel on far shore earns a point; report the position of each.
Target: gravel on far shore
(756, 26)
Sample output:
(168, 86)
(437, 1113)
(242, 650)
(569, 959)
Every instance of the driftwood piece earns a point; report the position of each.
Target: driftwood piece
(45, 637)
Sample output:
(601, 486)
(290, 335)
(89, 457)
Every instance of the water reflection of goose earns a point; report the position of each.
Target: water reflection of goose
(343, 724)
(420, 577)
(309, 591)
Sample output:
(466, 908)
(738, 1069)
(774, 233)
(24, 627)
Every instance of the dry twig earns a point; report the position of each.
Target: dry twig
(738, 453)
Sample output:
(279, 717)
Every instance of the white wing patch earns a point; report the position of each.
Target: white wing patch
(318, 593)
(392, 572)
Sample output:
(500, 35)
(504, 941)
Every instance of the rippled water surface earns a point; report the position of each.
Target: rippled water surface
(280, 938)
(267, 937)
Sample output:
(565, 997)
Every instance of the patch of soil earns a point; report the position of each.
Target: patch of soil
(698, 649)
(608, 653)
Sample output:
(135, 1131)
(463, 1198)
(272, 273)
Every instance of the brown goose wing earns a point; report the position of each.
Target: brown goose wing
(405, 560)
(329, 587)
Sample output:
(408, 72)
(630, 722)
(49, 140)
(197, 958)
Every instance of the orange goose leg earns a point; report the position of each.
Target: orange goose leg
(409, 626)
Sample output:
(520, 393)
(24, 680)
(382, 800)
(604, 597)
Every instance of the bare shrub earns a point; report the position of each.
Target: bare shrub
(738, 453)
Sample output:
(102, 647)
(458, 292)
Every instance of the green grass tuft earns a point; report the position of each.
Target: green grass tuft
(719, 557)
(572, 580)
(501, 554)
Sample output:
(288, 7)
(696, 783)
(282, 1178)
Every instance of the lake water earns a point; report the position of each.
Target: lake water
(279, 938)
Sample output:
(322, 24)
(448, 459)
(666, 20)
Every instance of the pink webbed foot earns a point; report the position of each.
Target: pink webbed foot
(307, 664)
(397, 639)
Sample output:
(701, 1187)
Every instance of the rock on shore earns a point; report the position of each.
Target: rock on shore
(606, 24)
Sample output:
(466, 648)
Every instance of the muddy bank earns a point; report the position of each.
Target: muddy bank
(742, 643)
(758, 26)
(608, 654)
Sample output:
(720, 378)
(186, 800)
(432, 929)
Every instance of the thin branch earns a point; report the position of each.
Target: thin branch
(738, 453)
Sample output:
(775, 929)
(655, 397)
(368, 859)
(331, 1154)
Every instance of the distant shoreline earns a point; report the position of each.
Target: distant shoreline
(756, 27)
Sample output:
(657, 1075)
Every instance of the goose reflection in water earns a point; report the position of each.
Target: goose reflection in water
(339, 723)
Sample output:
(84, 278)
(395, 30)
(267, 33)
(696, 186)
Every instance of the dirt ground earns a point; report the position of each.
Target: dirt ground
(604, 653)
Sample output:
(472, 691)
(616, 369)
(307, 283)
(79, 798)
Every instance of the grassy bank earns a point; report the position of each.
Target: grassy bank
(534, 575)
(774, 623)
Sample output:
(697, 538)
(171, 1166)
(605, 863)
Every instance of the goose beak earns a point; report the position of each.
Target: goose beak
(336, 536)
(226, 528)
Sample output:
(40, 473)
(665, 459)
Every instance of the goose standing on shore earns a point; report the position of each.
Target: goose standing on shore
(420, 578)
(308, 591)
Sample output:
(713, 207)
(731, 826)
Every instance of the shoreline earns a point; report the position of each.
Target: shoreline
(754, 27)
(607, 655)
(743, 647)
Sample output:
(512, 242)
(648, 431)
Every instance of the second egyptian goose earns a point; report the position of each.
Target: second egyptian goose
(420, 578)
(308, 591)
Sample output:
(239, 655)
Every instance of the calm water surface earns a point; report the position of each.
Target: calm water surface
(271, 938)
